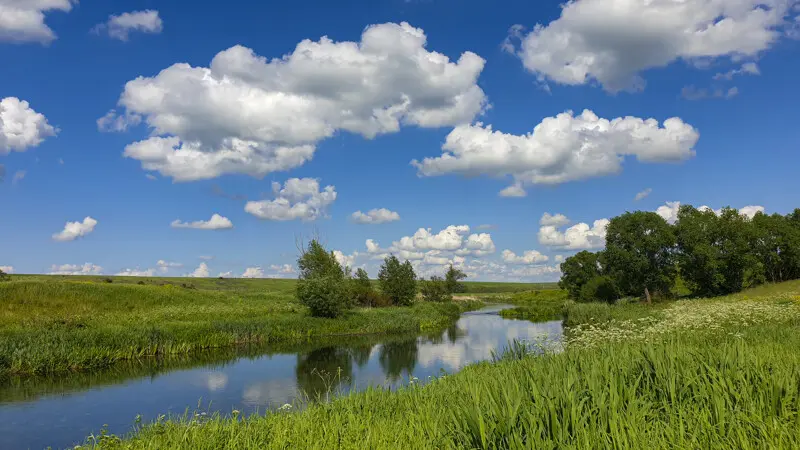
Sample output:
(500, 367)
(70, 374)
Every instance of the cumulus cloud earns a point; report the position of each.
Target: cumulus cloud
(556, 220)
(253, 272)
(612, 42)
(561, 149)
(247, 114)
(514, 191)
(164, 266)
(121, 26)
(7, 269)
(226, 274)
(375, 216)
(114, 122)
(300, 198)
(282, 268)
(345, 260)
(450, 244)
(643, 194)
(478, 245)
(559, 258)
(669, 211)
(74, 269)
(577, 237)
(21, 127)
(200, 272)
(529, 257)
(216, 222)
(23, 21)
(136, 273)
(74, 230)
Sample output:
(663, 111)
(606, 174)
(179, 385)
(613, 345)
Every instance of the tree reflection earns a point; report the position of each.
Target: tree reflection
(323, 371)
(361, 354)
(454, 333)
(398, 357)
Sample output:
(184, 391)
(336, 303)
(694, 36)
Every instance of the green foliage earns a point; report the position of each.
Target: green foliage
(4, 276)
(435, 290)
(398, 281)
(322, 286)
(452, 278)
(587, 313)
(577, 270)
(599, 289)
(536, 306)
(362, 290)
(639, 253)
(777, 245)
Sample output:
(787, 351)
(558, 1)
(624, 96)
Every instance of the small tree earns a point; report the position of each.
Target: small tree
(398, 281)
(577, 270)
(452, 278)
(435, 290)
(322, 285)
(362, 288)
(4, 276)
(599, 289)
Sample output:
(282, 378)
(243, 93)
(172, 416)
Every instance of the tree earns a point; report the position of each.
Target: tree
(4, 276)
(777, 246)
(698, 259)
(640, 254)
(398, 281)
(599, 289)
(452, 278)
(362, 289)
(322, 286)
(577, 270)
(435, 290)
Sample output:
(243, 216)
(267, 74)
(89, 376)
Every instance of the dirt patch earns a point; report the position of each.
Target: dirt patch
(464, 298)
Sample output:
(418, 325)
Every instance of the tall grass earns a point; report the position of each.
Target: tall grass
(56, 326)
(536, 306)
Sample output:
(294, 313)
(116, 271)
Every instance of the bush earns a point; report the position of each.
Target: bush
(599, 289)
(4, 276)
(452, 278)
(374, 299)
(435, 290)
(322, 285)
(398, 281)
(586, 313)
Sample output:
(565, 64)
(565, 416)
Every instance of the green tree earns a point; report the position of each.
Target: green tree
(698, 256)
(640, 254)
(599, 289)
(398, 281)
(323, 285)
(777, 246)
(577, 270)
(452, 278)
(435, 290)
(4, 276)
(362, 288)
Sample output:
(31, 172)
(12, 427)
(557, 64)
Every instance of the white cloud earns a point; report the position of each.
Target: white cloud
(643, 194)
(694, 93)
(74, 269)
(7, 269)
(449, 245)
(451, 238)
(375, 216)
(559, 258)
(206, 257)
(74, 230)
(120, 27)
(150, 176)
(114, 122)
(300, 198)
(282, 268)
(612, 42)
(749, 68)
(486, 226)
(21, 127)
(251, 115)
(529, 257)
(478, 245)
(164, 266)
(562, 148)
(225, 274)
(253, 272)
(577, 237)
(345, 260)
(751, 210)
(216, 222)
(18, 176)
(669, 211)
(200, 272)
(23, 20)
(136, 273)
(514, 191)
(556, 220)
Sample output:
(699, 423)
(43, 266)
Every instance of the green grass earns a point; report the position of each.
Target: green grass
(536, 306)
(52, 324)
(711, 374)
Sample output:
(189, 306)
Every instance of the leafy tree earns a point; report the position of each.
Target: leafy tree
(398, 281)
(599, 289)
(698, 258)
(577, 270)
(4, 276)
(362, 288)
(777, 245)
(452, 278)
(435, 290)
(640, 254)
(322, 285)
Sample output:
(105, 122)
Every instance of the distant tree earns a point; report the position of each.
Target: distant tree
(777, 246)
(398, 281)
(640, 254)
(452, 278)
(4, 276)
(322, 286)
(362, 289)
(435, 290)
(577, 270)
(599, 289)
(698, 257)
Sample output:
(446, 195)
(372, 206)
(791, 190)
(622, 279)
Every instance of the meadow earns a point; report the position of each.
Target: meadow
(56, 324)
(701, 373)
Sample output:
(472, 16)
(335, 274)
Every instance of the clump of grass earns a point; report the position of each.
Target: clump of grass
(536, 306)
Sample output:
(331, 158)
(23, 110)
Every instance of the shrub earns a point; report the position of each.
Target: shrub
(586, 313)
(398, 281)
(4, 276)
(322, 285)
(435, 290)
(363, 292)
(599, 289)
(108, 280)
(452, 278)
(374, 299)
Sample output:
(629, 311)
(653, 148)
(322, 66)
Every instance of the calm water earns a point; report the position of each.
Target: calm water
(36, 413)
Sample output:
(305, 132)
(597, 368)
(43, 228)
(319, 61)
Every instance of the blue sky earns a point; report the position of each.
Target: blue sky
(355, 111)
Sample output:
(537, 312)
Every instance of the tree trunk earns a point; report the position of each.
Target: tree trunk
(647, 295)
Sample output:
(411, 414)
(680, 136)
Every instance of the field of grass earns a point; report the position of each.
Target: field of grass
(707, 373)
(57, 324)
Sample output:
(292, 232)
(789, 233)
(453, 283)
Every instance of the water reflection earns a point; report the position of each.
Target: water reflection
(37, 412)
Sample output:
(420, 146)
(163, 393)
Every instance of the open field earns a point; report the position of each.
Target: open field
(56, 324)
(705, 373)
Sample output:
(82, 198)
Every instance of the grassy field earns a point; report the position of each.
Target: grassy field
(708, 373)
(56, 324)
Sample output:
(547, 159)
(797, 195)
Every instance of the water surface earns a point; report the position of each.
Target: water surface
(61, 412)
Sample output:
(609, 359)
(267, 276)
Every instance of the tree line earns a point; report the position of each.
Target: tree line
(329, 289)
(713, 253)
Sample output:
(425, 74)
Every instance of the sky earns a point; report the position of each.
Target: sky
(148, 138)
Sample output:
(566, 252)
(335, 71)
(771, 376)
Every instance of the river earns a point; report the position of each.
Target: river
(60, 412)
